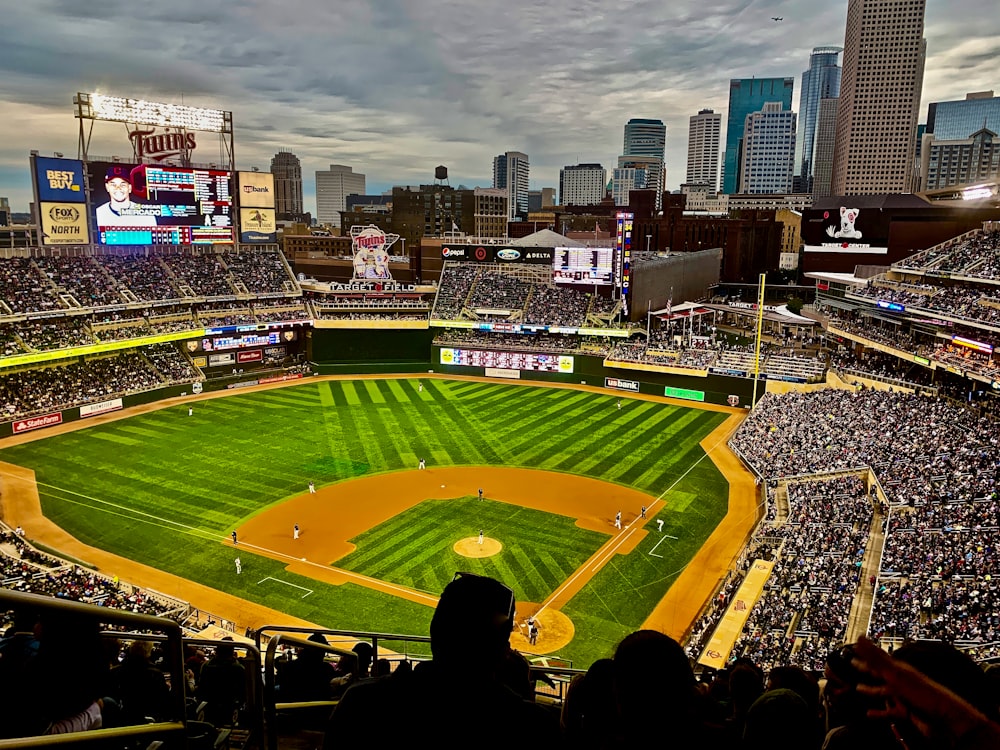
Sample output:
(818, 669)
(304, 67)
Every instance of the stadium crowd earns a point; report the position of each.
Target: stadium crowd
(978, 256)
(259, 271)
(937, 463)
(27, 392)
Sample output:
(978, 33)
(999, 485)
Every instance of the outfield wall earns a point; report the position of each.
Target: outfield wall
(40, 421)
(346, 351)
(359, 352)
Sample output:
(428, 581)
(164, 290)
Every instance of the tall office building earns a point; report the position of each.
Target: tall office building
(826, 139)
(704, 133)
(287, 171)
(582, 184)
(884, 51)
(960, 119)
(820, 81)
(332, 189)
(768, 159)
(510, 172)
(647, 139)
(652, 177)
(625, 179)
(960, 161)
(748, 95)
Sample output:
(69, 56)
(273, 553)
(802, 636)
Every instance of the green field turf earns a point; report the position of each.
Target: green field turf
(164, 488)
(414, 549)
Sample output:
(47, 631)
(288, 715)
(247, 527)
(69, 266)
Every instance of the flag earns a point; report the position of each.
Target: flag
(454, 227)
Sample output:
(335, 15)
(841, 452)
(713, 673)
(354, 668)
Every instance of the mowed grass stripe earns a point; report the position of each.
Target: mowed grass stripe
(576, 433)
(633, 457)
(570, 416)
(422, 440)
(511, 422)
(682, 454)
(456, 425)
(615, 435)
(655, 475)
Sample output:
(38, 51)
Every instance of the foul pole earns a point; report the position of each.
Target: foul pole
(760, 330)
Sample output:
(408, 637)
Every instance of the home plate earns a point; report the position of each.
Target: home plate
(442, 486)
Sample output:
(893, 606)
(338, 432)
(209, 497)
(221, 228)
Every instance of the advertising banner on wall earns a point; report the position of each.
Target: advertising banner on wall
(26, 425)
(59, 180)
(64, 224)
(258, 225)
(256, 189)
(103, 407)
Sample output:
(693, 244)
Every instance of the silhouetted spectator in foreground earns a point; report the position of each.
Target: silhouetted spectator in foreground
(457, 698)
(655, 695)
(222, 684)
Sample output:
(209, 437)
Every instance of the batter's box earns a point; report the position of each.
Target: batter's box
(293, 585)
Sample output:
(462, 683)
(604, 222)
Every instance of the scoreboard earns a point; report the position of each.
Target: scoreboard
(588, 266)
(508, 360)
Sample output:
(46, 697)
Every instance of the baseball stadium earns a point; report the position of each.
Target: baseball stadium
(235, 458)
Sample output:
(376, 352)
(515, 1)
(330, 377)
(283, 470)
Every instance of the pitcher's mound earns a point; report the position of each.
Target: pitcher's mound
(470, 547)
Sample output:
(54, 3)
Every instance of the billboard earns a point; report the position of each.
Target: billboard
(258, 225)
(256, 189)
(59, 180)
(861, 231)
(146, 204)
(623, 244)
(498, 254)
(588, 266)
(64, 224)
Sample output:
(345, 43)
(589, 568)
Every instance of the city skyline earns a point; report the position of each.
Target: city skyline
(307, 81)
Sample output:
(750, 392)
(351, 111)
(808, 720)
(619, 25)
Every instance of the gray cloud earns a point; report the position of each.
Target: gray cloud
(395, 87)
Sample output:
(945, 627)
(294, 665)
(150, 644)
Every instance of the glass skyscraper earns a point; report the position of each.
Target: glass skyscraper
(647, 141)
(950, 121)
(821, 81)
(746, 96)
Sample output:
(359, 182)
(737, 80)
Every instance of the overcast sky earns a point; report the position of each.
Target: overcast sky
(395, 87)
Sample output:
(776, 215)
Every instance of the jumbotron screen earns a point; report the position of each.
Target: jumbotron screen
(508, 360)
(588, 266)
(148, 204)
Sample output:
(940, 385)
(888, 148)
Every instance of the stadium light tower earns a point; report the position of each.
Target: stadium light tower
(96, 107)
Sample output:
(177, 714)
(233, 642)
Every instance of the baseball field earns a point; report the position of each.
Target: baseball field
(380, 537)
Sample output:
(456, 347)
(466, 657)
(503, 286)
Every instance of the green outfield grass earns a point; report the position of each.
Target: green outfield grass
(164, 488)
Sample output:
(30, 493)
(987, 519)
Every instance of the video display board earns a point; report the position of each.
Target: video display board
(148, 204)
(587, 266)
(508, 360)
(623, 243)
(861, 231)
(241, 341)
